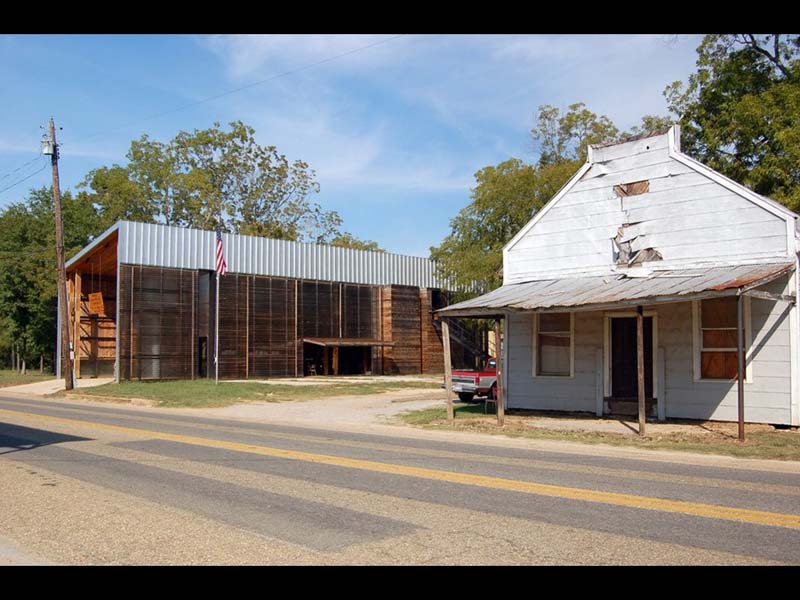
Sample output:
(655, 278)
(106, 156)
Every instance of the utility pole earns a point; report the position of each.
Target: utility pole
(50, 146)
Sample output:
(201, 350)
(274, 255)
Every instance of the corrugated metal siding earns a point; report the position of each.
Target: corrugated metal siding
(162, 246)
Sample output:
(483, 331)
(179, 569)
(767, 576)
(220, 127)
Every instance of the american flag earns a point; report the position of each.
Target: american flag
(222, 266)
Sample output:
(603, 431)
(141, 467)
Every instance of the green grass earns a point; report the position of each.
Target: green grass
(9, 377)
(203, 393)
(763, 441)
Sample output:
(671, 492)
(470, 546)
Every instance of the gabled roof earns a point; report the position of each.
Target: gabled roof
(673, 135)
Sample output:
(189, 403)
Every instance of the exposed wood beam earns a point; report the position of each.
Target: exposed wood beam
(740, 361)
(499, 401)
(640, 365)
(448, 369)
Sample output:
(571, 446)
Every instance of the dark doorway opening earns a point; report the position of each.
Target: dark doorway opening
(624, 372)
(202, 357)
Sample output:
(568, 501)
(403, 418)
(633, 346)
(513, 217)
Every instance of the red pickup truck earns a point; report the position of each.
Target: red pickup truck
(468, 384)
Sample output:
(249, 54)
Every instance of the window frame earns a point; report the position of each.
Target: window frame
(697, 343)
(535, 348)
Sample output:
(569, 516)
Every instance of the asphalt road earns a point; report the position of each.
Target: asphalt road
(86, 484)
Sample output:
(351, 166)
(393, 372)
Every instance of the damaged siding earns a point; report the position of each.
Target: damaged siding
(684, 217)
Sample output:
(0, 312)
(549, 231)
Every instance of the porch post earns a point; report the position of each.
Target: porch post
(740, 360)
(448, 369)
(500, 400)
(640, 365)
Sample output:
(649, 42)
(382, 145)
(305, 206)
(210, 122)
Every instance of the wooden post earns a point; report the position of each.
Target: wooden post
(324, 360)
(336, 360)
(41, 363)
(448, 369)
(640, 365)
(740, 360)
(500, 400)
(76, 338)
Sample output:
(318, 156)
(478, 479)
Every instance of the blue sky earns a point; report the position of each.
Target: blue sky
(395, 132)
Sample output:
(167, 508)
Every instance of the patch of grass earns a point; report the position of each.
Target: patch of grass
(763, 441)
(203, 393)
(10, 377)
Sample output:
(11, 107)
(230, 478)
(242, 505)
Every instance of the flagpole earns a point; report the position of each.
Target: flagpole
(216, 336)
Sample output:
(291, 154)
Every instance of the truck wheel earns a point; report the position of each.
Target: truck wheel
(465, 396)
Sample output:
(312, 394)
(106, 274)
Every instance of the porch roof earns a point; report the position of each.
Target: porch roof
(629, 288)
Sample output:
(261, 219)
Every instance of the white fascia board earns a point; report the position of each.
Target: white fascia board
(543, 211)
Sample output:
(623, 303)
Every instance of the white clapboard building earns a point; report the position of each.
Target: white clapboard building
(642, 226)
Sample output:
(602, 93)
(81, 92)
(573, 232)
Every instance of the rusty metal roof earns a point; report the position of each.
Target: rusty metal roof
(636, 286)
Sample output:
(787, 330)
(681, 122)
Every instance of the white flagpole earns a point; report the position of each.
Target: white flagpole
(216, 337)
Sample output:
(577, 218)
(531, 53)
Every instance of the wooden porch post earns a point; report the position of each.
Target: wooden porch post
(448, 369)
(325, 360)
(77, 335)
(500, 400)
(740, 360)
(640, 365)
(336, 360)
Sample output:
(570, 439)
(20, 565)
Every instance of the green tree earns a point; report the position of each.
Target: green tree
(506, 196)
(28, 274)
(213, 178)
(347, 240)
(503, 200)
(740, 112)
(566, 137)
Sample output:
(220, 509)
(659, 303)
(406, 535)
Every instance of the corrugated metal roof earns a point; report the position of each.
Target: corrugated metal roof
(617, 289)
(181, 248)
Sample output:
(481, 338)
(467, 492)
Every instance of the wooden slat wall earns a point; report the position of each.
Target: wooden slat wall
(432, 352)
(272, 332)
(405, 325)
(156, 323)
(97, 346)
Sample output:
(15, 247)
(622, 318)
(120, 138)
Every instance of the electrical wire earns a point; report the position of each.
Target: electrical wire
(44, 166)
(30, 162)
(244, 87)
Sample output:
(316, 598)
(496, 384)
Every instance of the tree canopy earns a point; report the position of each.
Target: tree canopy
(740, 112)
(507, 195)
(214, 178)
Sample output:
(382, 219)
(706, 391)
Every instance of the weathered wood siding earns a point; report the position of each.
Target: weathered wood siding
(767, 395)
(685, 215)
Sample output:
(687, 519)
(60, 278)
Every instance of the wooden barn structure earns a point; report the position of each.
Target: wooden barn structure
(650, 284)
(142, 306)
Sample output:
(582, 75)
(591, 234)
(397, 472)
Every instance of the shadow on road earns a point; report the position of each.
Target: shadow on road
(15, 438)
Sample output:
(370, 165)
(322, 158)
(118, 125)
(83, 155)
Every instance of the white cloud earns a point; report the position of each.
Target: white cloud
(247, 55)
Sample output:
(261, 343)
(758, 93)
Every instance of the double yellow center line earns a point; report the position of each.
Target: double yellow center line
(712, 511)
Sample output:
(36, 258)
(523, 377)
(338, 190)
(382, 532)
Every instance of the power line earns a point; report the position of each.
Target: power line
(44, 166)
(244, 87)
(30, 162)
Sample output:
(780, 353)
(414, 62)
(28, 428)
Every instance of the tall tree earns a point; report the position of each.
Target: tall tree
(347, 240)
(214, 178)
(507, 195)
(28, 266)
(566, 137)
(740, 112)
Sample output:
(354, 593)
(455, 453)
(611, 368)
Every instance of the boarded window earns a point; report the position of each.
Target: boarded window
(718, 338)
(553, 344)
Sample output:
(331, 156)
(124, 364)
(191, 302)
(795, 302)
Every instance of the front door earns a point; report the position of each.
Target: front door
(624, 372)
